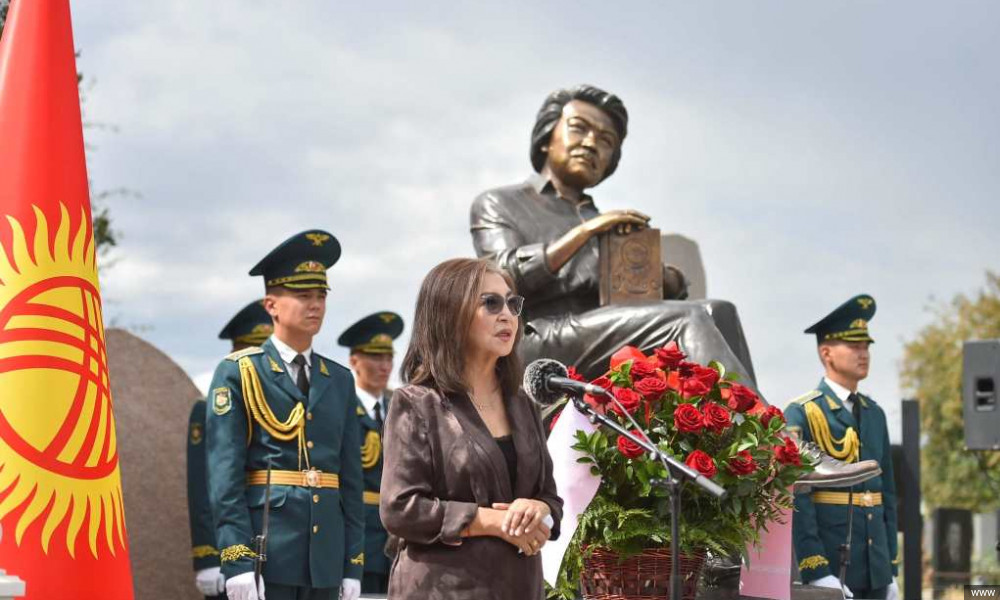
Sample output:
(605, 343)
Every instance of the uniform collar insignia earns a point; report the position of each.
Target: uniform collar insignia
(275, 366)
(322, 368)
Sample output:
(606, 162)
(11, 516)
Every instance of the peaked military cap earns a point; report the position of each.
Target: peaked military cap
(252, 325)
(848, 322)
(301, 261)
(373, 334)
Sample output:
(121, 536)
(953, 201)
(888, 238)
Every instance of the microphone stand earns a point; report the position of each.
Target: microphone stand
(677, 474)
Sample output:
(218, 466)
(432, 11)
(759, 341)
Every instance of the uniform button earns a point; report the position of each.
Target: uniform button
(316, 530)
(869, 517)
(869, 541)
(315, 498)
(309, 416)
(309, 444)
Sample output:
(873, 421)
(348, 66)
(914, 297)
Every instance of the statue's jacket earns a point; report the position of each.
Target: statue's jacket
(316, 534)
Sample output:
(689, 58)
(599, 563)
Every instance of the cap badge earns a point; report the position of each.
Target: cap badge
(318, 239)
(865, 302)
(310, 266)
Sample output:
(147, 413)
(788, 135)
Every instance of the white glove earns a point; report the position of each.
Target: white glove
(829, 581)
(350, 589)
(241, 588)
(893, 593)
(210, 582)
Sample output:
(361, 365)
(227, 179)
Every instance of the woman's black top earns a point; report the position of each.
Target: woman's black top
(506, 444)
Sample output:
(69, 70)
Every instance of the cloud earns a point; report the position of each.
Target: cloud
(813, 151)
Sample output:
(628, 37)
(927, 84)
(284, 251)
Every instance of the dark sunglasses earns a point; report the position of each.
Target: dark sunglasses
(494, 303)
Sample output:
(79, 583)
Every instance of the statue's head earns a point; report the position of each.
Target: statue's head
(578, 135)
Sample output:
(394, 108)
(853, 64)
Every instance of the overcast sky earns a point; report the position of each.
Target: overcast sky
(814, 150)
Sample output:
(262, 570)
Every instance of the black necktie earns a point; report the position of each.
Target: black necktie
(855, 408)
(378, 415)
(302, 380)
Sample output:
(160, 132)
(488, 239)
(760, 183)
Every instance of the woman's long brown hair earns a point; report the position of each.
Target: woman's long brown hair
(446, 305)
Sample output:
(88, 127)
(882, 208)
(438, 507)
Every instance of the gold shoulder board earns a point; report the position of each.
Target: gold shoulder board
(236, 356)
(807, 397)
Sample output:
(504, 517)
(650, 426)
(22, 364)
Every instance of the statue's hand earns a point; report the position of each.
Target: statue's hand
(623, 221)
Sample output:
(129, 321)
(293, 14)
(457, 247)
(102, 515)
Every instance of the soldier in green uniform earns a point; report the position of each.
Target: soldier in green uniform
(849, 426)
(285, 405)
(250, 327)
(370, 341)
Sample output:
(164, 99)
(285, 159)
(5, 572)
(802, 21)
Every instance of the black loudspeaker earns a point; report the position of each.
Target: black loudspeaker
(981, 394)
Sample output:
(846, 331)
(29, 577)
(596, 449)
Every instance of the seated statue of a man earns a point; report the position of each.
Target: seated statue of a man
(545, 233)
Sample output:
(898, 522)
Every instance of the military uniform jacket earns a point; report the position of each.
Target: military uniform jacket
(818, 529)
(371, 461)
(316, 535)
(204, 552)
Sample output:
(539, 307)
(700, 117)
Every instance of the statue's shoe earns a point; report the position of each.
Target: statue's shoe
(832, 473)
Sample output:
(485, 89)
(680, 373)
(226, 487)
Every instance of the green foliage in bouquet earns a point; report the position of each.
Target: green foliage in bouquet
(701, 416)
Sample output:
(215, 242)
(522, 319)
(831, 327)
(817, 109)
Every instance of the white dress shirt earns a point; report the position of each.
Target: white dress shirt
(288, 354)
(368, 402)
(841, 392)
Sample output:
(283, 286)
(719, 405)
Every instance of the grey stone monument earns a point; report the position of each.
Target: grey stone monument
(152, 400)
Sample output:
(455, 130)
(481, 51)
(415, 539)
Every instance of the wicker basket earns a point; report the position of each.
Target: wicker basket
(644, 576)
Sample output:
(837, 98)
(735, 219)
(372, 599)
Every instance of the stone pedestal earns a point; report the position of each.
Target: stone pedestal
(152, 399)
(683, 253)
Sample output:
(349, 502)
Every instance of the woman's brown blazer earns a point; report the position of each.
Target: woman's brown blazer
(441, 464)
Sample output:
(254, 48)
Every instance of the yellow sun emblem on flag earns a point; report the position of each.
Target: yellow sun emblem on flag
(58, 450)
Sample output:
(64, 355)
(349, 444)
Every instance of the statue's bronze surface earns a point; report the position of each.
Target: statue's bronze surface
(545, 232)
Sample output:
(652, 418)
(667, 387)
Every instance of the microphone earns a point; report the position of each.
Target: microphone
(547, 380)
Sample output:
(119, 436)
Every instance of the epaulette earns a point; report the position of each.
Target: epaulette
(807, 397)
(330, 363)
(236, 356)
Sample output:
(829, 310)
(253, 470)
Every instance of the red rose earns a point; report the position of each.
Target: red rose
(741, 398)
(687, 368)
(642, 369)
(742, 463)
(788, 454)
(707, 375)
(701, 462)
(573, 374)
(688, 419)
(625, 354)
(716, 418)
(694, 387)
(598, 401)
(629, 399)
(670, 356)
(651, 388)
(628, 448)
(674, 381)
(771, 412)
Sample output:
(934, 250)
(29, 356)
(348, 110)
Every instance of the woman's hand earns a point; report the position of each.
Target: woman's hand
(524, 515)
(490, 521)
(529, 543)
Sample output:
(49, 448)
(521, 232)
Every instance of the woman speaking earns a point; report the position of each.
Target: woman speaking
(467, 482)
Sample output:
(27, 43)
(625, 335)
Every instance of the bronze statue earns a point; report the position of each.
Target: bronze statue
(545, 233)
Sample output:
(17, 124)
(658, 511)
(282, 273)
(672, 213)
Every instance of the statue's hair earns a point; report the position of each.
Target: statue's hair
(551, 112)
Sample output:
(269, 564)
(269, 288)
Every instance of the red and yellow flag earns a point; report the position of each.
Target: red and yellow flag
(61, 511)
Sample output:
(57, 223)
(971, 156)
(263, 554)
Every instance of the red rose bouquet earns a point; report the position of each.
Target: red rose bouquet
(703, 417)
